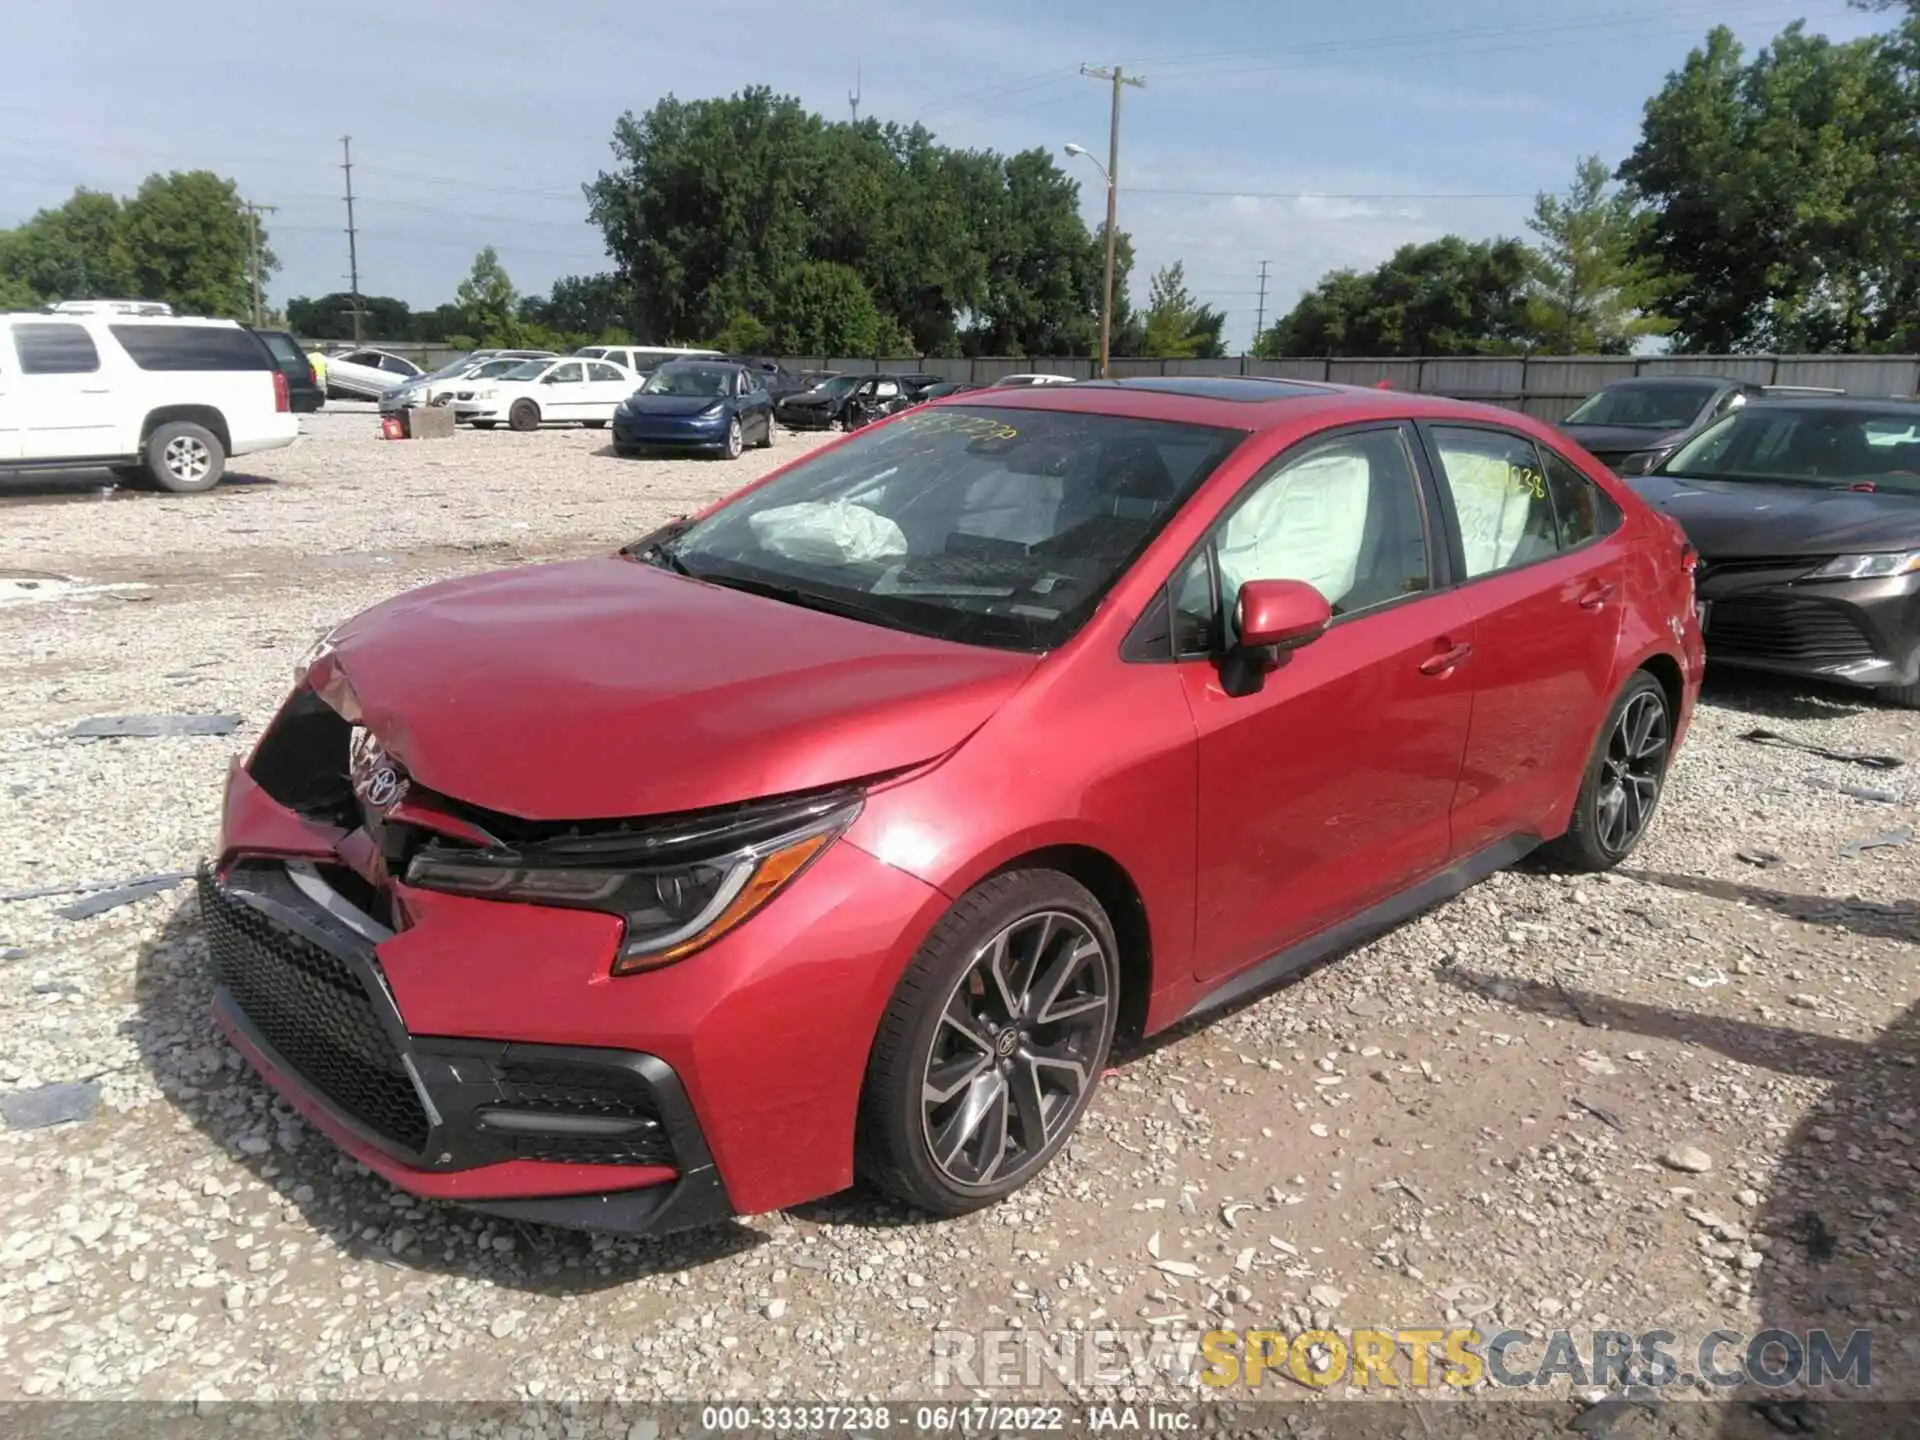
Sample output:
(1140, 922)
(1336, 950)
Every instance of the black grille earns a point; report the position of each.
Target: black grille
(584, 1089)
(1785, 630)
(310, 1007)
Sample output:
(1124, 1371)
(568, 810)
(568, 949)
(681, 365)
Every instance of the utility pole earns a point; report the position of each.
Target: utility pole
(1119, 79)
(1260, 315)
(253, 250)
(853, 95)
(353, 238)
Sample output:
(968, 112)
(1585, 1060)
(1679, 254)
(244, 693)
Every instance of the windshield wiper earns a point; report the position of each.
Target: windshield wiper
(813, 600)
(657, 549)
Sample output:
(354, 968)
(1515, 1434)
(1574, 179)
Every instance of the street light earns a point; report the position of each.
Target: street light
(1106, 295)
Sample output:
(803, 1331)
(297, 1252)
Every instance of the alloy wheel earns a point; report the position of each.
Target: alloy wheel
(187, 459)
(736, 439)
(1012, 1059)
(1631, 772)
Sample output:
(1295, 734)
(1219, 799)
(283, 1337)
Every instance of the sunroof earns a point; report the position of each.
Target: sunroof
(1248, 388)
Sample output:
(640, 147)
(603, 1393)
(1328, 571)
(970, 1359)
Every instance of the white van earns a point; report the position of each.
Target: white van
(644, 359)
(158, 400)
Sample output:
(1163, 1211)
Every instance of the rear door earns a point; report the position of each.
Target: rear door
(607, 385)
(1543, 574)
(563, 391)
(1330, 787)
(9, 398)
(64, 397)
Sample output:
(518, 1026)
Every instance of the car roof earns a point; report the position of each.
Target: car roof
(1662, 382)
(1199, 400)
(1864, 403)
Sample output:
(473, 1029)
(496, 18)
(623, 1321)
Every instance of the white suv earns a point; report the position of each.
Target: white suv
(159, 400)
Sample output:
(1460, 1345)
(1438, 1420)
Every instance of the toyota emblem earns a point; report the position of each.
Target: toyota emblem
(383, 787)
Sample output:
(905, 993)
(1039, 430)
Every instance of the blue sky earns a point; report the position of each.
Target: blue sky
(1308, 135)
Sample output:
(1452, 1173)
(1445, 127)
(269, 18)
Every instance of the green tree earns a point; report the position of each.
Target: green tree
(589, 305)
(1784, 193)
(1176, 326)
(330, 317)
(1593, 293)
(825, 310)
(489, 305)
(75, 251)
(1450, 296)
(190, 242)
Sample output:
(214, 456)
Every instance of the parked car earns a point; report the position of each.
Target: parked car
(878, 798)
(366, 374)
(1033, 378)
(846, 402)
(1806, 514)
(943, 389)
(440, 386)
(542, 392)
(643, 360)
(777, 381)
(157, 400)
(110, 307)
(710, 405)
(304, 390)
(1630, 426)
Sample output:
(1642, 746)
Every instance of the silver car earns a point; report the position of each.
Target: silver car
(366, 374)
(437, 388)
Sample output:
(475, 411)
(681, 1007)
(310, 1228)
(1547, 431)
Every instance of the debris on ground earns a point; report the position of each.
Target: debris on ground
(149, 727)
(1885, 840)
(49, 1105)
(1851, 757)
(105, 900)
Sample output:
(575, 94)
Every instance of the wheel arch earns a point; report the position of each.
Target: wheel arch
(206, 416)
(1126, 909)
(1664, 668)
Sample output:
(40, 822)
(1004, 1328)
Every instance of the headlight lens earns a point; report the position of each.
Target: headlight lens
(672, 907)
(1868, 567)
(488, 394)
(714, 409)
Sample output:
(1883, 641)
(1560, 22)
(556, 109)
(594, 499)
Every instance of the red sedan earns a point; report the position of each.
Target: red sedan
(847, 826)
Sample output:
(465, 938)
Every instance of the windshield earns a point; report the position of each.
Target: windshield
(678, 379)
(837, 385)
(987, 526)
(526, 370)
(494, 369)
(1808, 446)
(1644, 407)
(453, 368)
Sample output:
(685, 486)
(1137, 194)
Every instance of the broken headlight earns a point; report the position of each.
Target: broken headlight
(678, 888)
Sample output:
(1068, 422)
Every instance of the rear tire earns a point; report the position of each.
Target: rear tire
(1621, 788)
(525, 415)
(185, 458)
(1009, 1009)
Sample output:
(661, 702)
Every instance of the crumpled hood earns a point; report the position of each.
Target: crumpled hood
(605, 688)
(1734, 519)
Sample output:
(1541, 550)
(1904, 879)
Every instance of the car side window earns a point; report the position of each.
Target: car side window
(604, 372)
(55, 349)
(394, 365)
(886, 390)
(1499, 498)
(564, 375)
(1342, 514)
(1582, 511)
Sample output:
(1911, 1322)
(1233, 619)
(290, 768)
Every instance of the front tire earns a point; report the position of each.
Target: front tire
(736, 439)
(525, 415)
(1621, 787)
(185, 458)
(1907, 697)
(992, 1045)
(766, 438)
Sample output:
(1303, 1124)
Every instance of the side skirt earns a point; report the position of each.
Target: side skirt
(1346, 934)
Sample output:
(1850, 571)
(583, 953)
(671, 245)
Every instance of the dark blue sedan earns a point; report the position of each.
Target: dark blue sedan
(707, 405)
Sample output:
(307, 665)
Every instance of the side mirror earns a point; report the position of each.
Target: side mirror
(1279, 614)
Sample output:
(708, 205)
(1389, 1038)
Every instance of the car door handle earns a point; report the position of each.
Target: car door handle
(1597, 595)
(96, 390)
(1445, 660)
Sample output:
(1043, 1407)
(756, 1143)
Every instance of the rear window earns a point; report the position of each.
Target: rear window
(192, 347)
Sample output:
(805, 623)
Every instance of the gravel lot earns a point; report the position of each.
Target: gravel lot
(1682, 1097)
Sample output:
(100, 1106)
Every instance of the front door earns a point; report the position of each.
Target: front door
(61, 396)
(563, 392)
(1329, 788)
(1545, 581)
